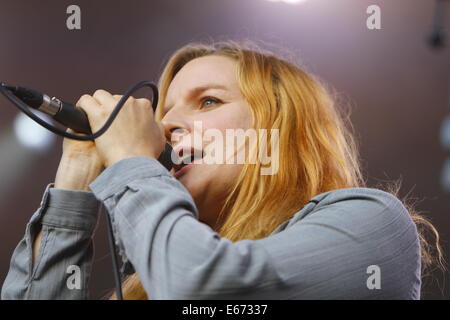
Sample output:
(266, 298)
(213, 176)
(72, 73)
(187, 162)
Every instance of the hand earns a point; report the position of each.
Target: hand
(80, 164)
(134, 132)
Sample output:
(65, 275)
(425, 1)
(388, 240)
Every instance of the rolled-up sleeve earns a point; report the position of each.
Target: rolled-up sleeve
(324, 255)
(62, 268)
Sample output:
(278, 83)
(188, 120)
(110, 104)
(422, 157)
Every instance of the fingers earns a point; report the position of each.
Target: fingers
(104, 97)
(95, 102)
(68, 130)
(88, 103)
(87, 99)
(143, 101)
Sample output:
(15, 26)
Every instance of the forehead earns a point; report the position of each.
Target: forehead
(204, 71)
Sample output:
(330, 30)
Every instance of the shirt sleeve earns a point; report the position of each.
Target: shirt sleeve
(326, 255)
(62, 268)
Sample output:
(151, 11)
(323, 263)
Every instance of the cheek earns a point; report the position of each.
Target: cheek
(232, 116)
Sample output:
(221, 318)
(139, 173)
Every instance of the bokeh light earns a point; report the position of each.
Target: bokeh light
(31, 135)
(288, 1)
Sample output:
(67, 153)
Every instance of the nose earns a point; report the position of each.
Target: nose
(174, 128)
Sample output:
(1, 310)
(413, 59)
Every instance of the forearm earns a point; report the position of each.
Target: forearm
(77, 171)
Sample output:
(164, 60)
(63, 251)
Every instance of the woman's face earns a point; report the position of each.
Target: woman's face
(206, 91)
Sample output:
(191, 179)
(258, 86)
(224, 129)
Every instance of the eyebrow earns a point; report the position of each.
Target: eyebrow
(197, 91)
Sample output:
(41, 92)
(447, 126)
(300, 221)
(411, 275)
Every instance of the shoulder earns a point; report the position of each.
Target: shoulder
(356, 228)
(363, 212)
(366, 203)
(361, 197)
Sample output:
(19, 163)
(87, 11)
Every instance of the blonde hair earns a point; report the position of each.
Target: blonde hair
(317, 150)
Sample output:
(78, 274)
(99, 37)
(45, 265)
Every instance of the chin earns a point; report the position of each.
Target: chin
(193, 181)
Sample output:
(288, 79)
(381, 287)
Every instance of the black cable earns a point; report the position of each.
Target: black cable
(5, 90)
(115, 262)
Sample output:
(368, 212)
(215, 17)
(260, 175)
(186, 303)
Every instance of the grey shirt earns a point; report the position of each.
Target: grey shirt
(355, 243)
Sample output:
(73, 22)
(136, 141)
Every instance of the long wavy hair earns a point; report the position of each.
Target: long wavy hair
(317, 150)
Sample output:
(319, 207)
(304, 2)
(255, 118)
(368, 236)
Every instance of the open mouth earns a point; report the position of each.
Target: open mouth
(188, 156)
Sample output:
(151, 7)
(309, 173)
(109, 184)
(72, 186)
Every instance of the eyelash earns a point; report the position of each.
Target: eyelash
(209, 98)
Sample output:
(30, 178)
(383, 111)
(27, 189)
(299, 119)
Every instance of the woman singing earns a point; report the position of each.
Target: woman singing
(298, 223)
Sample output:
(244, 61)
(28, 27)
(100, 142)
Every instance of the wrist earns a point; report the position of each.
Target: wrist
(123, 156)
(75, 173)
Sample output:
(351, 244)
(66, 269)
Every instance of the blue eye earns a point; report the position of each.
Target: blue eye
(209, 99)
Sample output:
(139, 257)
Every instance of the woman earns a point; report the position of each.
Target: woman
(309, 230)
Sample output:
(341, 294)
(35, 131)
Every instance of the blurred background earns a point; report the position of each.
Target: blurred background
(396, 83)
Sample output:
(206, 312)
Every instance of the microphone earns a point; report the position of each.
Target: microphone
(63, 112)
(67, 114)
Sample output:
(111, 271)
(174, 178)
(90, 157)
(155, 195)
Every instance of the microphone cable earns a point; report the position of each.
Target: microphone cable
(6, 90)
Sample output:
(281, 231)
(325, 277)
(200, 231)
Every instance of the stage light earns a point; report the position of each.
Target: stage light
(288, 1)
(32, 135)
(293, 1)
